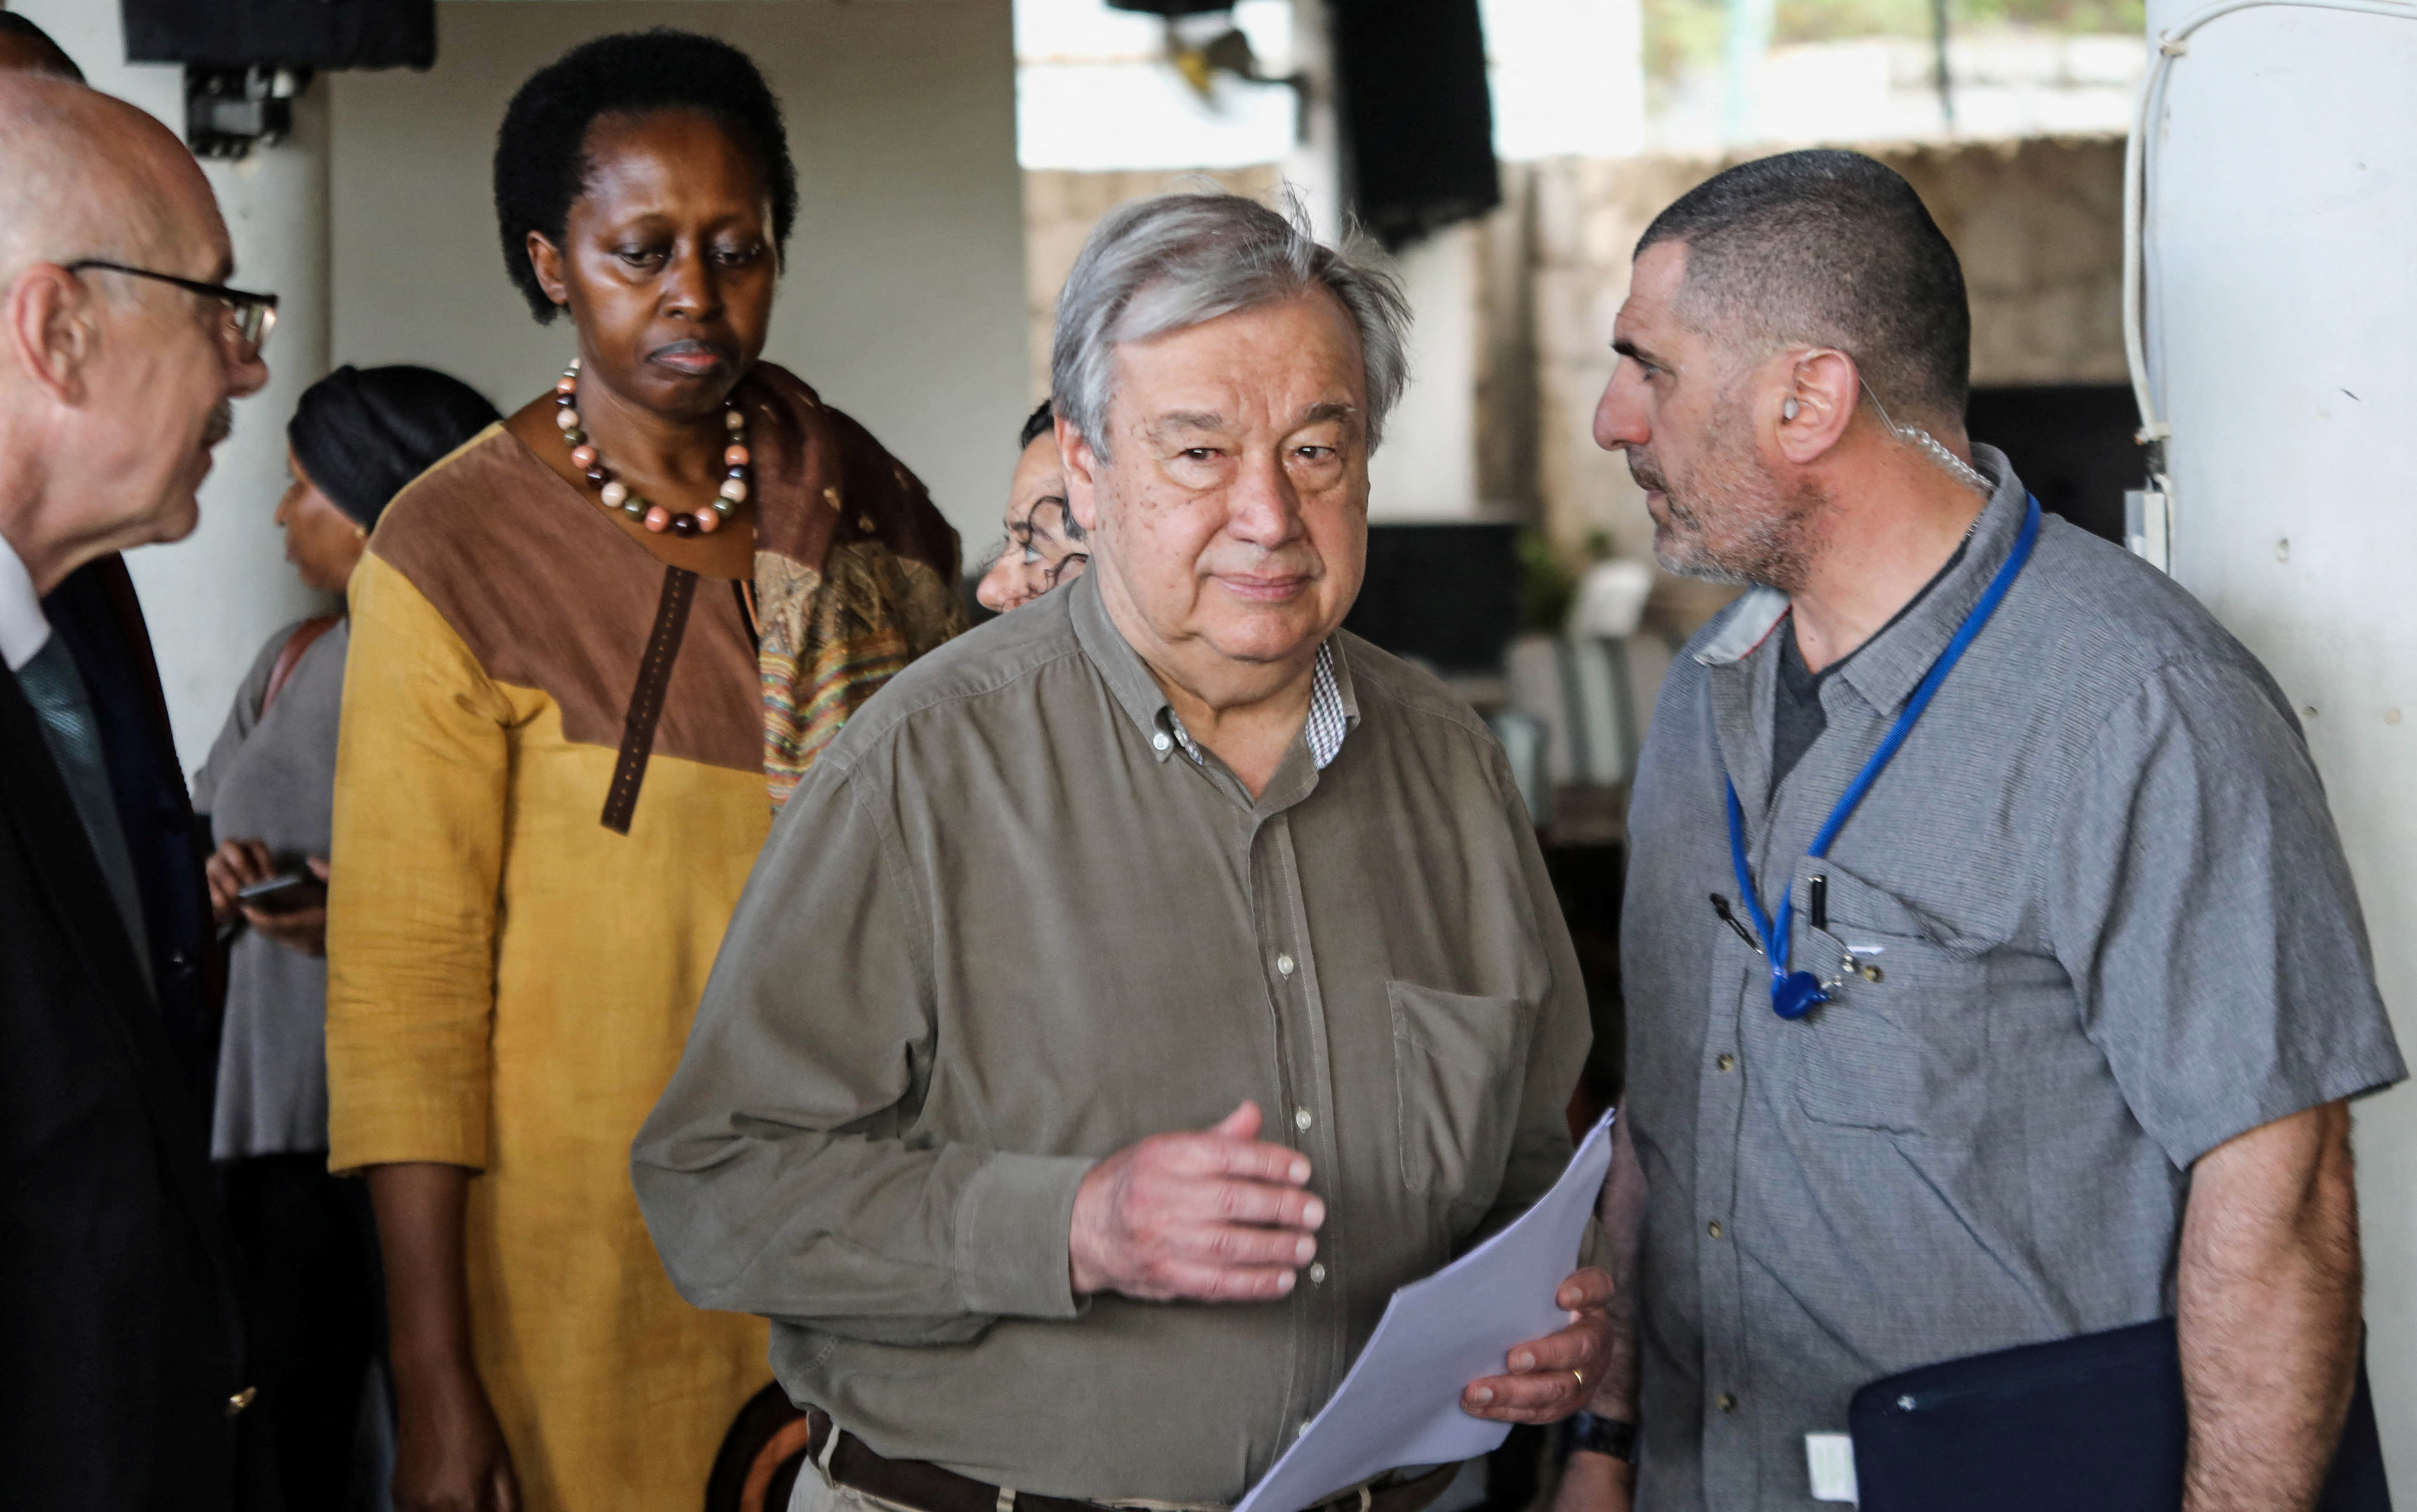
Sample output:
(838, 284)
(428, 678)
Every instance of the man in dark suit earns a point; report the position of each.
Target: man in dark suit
(95, 611)
(121, 1378)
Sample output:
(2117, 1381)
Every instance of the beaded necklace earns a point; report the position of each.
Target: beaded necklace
(619, 495)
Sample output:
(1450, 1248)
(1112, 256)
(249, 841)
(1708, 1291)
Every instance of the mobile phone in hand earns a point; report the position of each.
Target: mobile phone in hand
(284, 894)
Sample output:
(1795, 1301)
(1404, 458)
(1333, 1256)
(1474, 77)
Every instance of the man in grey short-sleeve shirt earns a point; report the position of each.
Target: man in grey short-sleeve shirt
(2098, 986)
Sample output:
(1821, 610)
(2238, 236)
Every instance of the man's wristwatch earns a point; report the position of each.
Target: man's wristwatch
(1602, 1435)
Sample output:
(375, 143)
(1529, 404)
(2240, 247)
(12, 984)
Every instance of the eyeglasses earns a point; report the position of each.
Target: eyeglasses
(249, 317)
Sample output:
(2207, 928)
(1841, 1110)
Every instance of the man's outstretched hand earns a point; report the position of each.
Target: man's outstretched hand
(1214, 1216)
(1556, 1375)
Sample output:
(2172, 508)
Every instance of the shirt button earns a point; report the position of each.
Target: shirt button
(1317, 1273)
(1302, 1118)
(1162, 741)
(1301, 1432)
(1284, 965)
(1726, 1062)
(1713, 1228)
(1725, 1402)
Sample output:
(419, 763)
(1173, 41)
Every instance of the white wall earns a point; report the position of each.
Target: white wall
(214, 598)
(2284, 306)
(903, 300)
(1427, 467)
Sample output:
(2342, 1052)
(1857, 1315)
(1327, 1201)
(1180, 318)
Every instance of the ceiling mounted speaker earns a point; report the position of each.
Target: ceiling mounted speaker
(282, 33)
(1415, 113)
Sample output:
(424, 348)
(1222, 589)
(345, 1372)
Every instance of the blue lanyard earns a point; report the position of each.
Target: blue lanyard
(1794, 994)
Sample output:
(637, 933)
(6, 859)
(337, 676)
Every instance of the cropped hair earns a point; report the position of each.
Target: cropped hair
(1036, 424)
(1832, 249)
(1178, 261)
(542, 161)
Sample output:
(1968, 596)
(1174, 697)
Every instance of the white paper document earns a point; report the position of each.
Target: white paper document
(1829, 1459)
(1400, 1405)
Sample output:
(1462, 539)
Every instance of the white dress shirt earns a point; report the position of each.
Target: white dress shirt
(23, 629)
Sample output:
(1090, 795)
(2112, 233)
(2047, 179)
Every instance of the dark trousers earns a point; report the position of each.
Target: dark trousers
(317, 1305)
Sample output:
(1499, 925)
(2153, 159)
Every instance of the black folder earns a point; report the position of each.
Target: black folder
(2091, 1423)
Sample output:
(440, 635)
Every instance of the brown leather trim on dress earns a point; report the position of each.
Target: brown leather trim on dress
(289, 657)
(647, 699)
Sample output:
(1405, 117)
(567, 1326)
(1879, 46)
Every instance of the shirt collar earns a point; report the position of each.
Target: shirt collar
(1888, 668)
(24, 630)
(1333, 703)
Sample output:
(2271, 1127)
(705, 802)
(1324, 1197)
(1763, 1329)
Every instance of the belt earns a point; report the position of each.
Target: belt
(926, 1487)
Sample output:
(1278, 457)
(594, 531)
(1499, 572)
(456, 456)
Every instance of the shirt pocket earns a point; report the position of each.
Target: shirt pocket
(1457, 1064)
(1901, 1044)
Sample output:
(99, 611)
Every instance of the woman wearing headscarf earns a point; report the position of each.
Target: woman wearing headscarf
(592, 652)
(355, 439)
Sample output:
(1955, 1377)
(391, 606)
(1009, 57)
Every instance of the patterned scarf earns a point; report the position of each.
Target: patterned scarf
(856, 572)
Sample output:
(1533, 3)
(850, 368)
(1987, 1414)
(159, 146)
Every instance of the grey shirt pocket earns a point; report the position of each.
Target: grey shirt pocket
(1901, 1044)
(1456, 1064)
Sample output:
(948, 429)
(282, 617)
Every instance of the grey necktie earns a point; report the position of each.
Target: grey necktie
(55, 690)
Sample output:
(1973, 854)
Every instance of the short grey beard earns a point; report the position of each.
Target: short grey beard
(1771, 544)
(1770, 553)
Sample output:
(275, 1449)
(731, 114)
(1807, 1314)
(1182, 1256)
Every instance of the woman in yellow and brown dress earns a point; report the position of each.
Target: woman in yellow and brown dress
(591, 652)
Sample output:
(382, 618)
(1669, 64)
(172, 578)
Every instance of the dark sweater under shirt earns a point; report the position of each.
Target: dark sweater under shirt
(1798, 719)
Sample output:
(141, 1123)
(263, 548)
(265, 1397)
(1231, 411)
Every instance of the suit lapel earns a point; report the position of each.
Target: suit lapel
(34, 802)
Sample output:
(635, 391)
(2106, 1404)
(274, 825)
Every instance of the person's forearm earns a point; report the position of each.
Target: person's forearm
(1621, 1213)
(1593, 1482)
(862, 1238)
(2267, 1288)
(421, 1209)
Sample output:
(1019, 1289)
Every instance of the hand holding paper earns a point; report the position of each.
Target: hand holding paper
(1556, 1375)
(1403, 1401)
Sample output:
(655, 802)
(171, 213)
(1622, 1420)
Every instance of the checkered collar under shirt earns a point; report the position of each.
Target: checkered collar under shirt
(1328, 722)
(1333, 707)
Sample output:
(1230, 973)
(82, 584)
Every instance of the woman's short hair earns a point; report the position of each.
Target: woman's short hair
(1182, 260)
(362, 434)
(542, 149)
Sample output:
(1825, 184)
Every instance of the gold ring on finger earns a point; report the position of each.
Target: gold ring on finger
(1580, 1378)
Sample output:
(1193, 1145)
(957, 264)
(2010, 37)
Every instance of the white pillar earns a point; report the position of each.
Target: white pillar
(214, 598)
(1427, 467)
(2283, 308)
(1314, 166)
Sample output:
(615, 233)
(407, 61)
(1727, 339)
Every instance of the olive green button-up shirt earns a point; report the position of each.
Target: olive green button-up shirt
(1006, 928)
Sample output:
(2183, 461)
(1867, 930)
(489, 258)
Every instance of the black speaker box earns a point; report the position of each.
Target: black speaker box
(291, 34)
(1416, 113)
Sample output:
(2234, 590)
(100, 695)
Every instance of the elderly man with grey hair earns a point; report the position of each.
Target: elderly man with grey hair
(124, 1378)
(1108, 1225)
